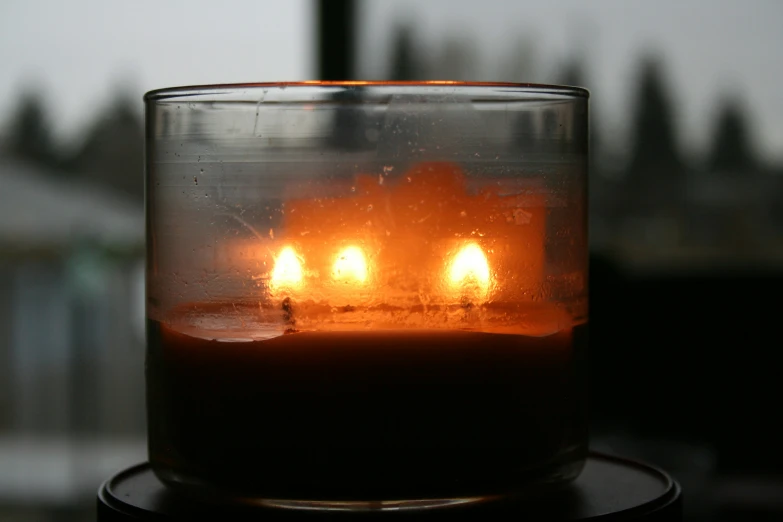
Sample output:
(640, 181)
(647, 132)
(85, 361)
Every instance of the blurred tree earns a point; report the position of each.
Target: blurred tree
(654, 150)
(29, 132)
(112, 154)
(572, 73)
(520, 64)
(457, 59)
(731, 151)
(351, 121)
(405, 59)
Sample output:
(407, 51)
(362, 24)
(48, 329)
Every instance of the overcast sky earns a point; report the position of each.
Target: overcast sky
(80, 51)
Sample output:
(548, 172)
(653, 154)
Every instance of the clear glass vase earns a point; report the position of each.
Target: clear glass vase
(366, 294)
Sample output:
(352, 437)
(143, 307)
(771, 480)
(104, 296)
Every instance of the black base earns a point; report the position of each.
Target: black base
(610, 488)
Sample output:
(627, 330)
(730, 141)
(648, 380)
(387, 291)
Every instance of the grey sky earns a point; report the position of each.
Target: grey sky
(80, 51)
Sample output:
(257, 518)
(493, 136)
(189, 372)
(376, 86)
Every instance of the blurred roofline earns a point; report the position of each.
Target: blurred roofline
(45, 210)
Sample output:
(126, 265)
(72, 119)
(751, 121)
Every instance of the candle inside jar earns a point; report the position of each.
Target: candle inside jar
(382, 361)
(362, 414)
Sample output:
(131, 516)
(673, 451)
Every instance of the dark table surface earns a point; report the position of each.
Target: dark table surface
(610, 488)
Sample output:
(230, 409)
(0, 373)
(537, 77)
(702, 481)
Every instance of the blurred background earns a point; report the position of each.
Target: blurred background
(686, 211)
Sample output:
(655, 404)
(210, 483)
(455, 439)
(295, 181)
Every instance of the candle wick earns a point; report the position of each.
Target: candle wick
(288, 315)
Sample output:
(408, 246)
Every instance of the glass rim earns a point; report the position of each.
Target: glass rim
(565, 91)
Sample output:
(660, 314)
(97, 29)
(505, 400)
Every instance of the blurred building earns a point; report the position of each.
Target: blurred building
(701, 221)
(71, 317)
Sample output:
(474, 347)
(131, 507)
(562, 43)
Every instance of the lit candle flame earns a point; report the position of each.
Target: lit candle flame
(288, 269)
(350, 265)
(470, 268)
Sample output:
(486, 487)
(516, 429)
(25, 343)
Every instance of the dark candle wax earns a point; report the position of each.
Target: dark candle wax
(384, 414)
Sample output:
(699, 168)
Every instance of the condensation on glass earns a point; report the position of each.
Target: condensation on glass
(366, 292)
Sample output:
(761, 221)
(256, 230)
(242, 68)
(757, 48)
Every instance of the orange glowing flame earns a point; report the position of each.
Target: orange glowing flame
(350, 265)
(470, 269)
(288, 269)
(423, 228)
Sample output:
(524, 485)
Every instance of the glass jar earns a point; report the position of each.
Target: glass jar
(366, 294)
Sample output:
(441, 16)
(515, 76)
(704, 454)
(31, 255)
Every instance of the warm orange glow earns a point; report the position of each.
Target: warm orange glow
(288, 269)
(426, 231)
(470, 267)
(350, 265)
